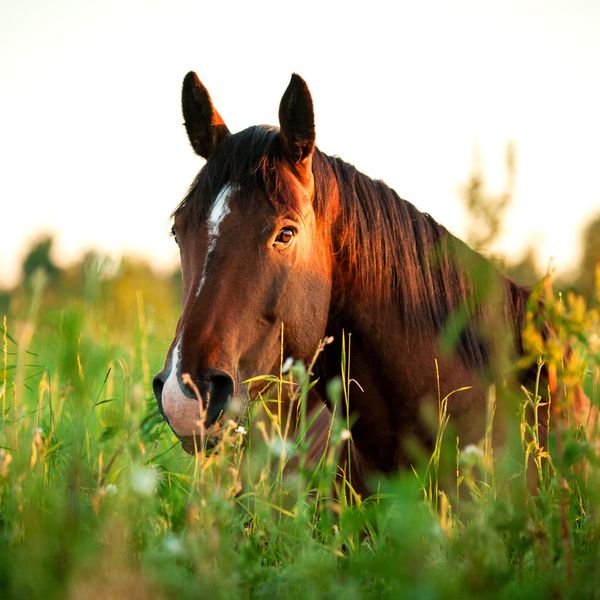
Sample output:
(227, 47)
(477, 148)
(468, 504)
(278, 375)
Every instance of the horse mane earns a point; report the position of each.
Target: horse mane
(393, 252)
(390, 251)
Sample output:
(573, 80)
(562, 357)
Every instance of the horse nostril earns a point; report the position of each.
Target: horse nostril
(219, 389)
(157, 385)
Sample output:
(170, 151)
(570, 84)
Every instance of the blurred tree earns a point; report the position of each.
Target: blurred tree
(38, 258)
(486, 211)
(120, 292)
(586, 276)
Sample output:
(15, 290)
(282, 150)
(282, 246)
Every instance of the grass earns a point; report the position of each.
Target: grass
(98, 500)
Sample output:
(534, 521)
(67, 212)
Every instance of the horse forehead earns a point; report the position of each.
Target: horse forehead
(220, 208)
(226, 206)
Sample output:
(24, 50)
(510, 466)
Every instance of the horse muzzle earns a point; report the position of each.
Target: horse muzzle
(193, 407)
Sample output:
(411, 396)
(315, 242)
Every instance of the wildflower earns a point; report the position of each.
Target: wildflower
(472, 450)
(241, 430)
(173, 545)
(345, 434)
(110, 489)
(287, 365)
(281, 447)
(144, 480)
(471, 456)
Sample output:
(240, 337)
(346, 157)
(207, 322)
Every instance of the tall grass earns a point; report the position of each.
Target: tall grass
(98, 500)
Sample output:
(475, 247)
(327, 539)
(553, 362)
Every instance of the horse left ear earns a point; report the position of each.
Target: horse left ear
(203, 123)
(297, 125)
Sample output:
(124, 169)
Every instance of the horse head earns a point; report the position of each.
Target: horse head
(255, 260)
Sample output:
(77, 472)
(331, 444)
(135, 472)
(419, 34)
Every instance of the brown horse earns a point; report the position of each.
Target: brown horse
(274, 232)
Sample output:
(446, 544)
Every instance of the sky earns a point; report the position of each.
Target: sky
(93, 150)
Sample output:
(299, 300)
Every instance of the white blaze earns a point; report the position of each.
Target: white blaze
(182, 411)
(218, 212)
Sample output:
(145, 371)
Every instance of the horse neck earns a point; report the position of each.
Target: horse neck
(396, 364)
(395, 330)
(404, 265)
(378, 242)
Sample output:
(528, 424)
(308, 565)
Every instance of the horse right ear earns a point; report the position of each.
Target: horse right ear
(203, 123)
(297, 125)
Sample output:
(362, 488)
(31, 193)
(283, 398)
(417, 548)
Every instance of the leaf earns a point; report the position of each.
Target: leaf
(574, 452)
(269, 378)
(104, 401)
(109, 433)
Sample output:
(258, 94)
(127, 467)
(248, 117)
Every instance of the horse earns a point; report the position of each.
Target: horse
(275, 235)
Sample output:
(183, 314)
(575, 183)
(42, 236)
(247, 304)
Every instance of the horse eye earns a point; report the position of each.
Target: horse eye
(174, 235)
(285, 236)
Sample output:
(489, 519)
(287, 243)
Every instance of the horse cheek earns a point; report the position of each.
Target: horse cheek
(307, 314)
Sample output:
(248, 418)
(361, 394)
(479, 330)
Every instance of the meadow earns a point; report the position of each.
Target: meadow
(97, 498)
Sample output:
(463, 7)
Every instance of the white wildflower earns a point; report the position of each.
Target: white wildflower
(471, 450)
(281, 447)
(111, 489)
(173, 545)
(471, 456)
(144, 480)
(345, 434)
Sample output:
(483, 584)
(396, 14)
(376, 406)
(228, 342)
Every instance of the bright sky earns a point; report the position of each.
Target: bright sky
(92, 145)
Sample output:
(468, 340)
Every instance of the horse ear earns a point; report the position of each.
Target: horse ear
(297, 124)
(203, 123)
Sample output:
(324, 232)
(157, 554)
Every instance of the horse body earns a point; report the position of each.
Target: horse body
(397, 381)
(275, 232)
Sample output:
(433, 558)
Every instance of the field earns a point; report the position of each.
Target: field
(97, 500)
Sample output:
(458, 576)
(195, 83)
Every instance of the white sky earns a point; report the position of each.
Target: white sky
(91, 139)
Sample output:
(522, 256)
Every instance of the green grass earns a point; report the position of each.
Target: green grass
(98, 500)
